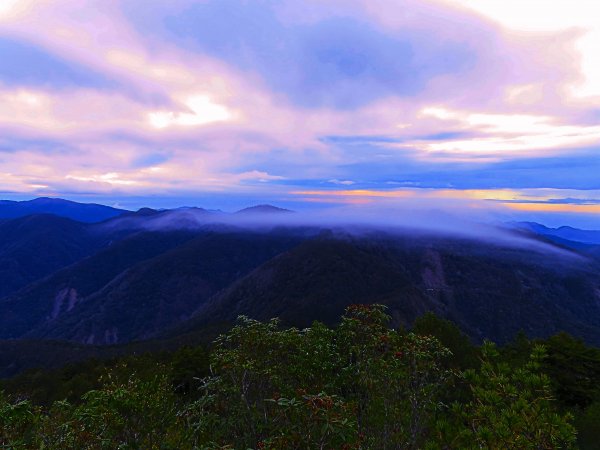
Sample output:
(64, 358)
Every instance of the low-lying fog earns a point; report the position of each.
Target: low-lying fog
(464, 220)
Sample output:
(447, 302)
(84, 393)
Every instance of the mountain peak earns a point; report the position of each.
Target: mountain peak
(82, 212)
(48, 200)
(563, 232)
(263, 209)
(145, 212)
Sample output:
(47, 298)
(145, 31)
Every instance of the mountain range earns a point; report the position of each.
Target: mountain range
(564, 233)
(82, 212)
(92, 288)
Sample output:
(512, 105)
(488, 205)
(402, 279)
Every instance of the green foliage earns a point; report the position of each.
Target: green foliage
(588, 426)
(267, 388)
(188, 365)
(311, 421)
(395, 380)
(128, 413)
(44, 387)
(574, 369)
(18, 421)
(464, 353)
(359, 385)
(511, 407)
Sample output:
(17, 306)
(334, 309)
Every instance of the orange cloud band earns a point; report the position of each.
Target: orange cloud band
(555, 207)
(518, 201)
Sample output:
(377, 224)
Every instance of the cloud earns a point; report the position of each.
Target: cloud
(202, 111)
(557, 15)
(341, 182)
(261, 100)
(23, 64)
(339, 61)
(502, 134)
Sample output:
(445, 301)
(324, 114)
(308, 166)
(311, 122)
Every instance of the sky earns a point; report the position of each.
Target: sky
(473, 105)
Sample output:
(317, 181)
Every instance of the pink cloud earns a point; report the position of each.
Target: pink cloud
(224, 128)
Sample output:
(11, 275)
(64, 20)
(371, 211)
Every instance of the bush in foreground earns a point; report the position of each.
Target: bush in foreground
(359, 385)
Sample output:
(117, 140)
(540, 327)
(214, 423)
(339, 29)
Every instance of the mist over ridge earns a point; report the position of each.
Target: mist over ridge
(352, 220)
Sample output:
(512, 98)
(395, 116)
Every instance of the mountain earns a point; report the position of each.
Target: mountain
(178, 281)
(155, 293)
(48, 299)
(35, 246)
(313, 281)
(263, 209)
(165, 219)
(169, 274)
(563, 233)
(82, 212)
(490, 291)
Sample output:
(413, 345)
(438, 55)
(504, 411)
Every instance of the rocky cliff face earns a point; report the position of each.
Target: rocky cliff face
(64, 301)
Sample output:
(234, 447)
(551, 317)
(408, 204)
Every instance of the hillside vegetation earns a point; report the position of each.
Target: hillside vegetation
(360, 384)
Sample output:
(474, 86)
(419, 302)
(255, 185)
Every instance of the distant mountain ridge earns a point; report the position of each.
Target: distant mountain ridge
(41, 236)
(81, 212)
(93, 212)
(564, 232)
(264, 209)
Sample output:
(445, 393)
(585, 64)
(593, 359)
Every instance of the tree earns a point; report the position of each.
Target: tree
(511, 408)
